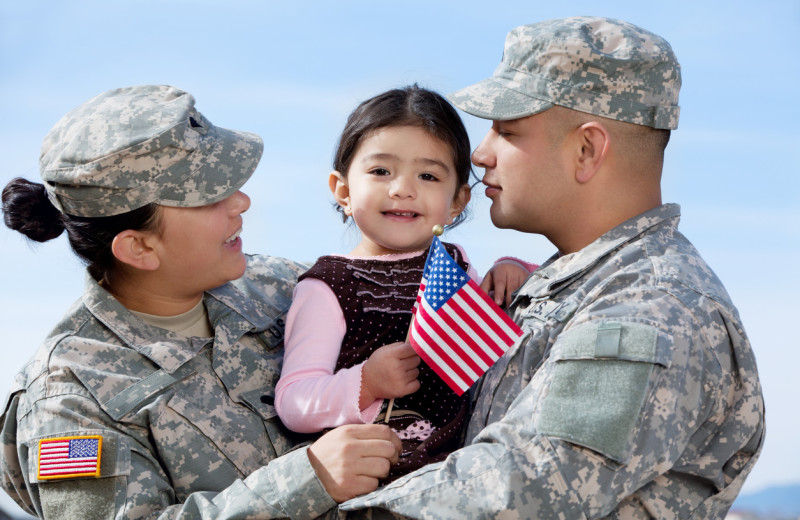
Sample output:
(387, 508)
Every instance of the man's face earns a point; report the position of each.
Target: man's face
(527, 175)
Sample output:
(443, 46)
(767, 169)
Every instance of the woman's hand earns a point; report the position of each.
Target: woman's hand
(503, 279)
(350, 460)
(391, 371)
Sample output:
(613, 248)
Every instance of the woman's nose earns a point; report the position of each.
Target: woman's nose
(240, 202)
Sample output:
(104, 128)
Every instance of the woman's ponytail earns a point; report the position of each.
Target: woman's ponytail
(27, 209)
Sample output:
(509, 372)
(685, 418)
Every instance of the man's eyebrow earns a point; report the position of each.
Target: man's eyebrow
(506, 123)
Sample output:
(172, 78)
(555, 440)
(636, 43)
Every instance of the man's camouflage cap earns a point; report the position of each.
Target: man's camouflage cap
(602, 66)
(133, 146)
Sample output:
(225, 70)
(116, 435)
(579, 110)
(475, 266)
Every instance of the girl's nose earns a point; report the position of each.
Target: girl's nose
(402, 187)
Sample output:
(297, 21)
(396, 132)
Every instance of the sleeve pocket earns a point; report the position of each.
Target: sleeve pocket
(599, 384)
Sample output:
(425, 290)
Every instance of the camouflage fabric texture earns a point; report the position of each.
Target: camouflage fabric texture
(633, 394)
(129, 147)
(188, 426)
(602, 66)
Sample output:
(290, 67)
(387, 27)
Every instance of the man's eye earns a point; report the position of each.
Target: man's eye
(502, 131)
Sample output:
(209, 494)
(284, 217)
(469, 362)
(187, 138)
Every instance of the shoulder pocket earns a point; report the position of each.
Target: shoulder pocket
(599, 384)
(80, 485)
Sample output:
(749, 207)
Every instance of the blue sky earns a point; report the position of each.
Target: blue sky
(292, 71)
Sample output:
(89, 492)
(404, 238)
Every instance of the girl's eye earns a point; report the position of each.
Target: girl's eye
(379, 171)
(428, 177)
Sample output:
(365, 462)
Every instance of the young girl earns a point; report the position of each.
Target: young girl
(401, 167)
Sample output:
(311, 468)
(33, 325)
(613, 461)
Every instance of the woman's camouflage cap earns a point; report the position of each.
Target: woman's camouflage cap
(130, 147)
(602, 66)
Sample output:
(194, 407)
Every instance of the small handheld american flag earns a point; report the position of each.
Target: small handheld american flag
(457, 329)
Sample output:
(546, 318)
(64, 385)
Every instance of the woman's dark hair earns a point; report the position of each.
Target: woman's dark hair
(27, 209)
(409, 106)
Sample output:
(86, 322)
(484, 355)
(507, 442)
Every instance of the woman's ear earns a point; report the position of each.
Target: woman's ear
(133, 248)
(594, 141)
(460, 201)
(341, 192)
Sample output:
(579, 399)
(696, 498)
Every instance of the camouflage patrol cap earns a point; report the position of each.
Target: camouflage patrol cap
(133, 146)
(602, 66)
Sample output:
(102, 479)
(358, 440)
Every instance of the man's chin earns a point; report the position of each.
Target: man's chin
(498, 219)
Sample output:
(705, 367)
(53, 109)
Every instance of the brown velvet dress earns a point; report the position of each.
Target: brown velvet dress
(377, 297)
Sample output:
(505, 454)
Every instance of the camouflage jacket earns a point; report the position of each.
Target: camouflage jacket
(186, 425)
(634, 394)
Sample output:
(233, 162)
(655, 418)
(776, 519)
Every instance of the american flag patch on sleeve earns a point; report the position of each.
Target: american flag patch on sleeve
(66, 457)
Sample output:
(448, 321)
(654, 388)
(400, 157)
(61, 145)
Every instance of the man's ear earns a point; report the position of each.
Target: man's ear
(133, 248)
(341, 192)
(460, 201)
(594, 141)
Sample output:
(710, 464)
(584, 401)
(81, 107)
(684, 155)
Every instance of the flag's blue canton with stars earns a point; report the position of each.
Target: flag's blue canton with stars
(443, 276)
(83, 448)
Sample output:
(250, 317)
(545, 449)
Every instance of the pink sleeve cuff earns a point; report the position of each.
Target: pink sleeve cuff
(525, 265)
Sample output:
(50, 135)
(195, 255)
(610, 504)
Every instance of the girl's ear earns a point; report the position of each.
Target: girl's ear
(341, 192)
(460, 201)
(133, 248)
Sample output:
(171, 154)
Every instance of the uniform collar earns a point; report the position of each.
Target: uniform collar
(559, 268)
(225, 304)
(248, 304)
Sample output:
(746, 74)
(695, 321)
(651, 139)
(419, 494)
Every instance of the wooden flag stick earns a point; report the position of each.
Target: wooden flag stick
(437, 230)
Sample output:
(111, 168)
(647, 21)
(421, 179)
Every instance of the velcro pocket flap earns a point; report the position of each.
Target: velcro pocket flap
(599, 384)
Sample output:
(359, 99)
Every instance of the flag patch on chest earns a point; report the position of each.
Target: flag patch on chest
(66, 457)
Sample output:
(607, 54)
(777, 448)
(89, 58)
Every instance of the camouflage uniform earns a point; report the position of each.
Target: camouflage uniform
(634, 393)
(187, 424)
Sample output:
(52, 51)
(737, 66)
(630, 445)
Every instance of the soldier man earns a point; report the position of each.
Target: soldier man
(634, 392)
